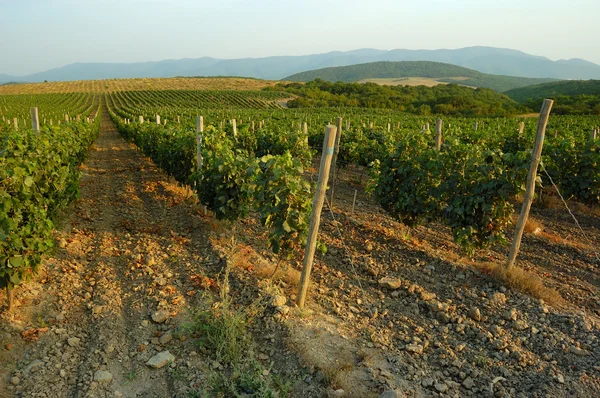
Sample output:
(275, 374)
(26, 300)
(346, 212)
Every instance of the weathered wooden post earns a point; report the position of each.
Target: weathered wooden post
(438, 133)
(315, 216)
(16, 124)
(234, 125)
(335, 156)
(141, 119)
(530, 186)
(199, 131)
(593, 134)
(252, 126)
(158, 120)
(426, 126)
(35, 120)
(475, 125)
(521, 128)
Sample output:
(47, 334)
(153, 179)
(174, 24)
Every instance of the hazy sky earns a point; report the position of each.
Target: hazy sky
(36, 35)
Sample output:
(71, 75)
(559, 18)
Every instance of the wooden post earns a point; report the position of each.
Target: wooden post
(593, 134)
(141, 120)
(234, 124)
(315, 216)
(157, 120)
(521, 128)
(335, 155)
(354, 202)
(531, 177)
(438, 134)
(35, 120)
(178, 119)
(475, 125)
(347, 124)
(66, 117)
(427, 126)
(252, 126)
(199, 130)
(389, 128)
(16, 123)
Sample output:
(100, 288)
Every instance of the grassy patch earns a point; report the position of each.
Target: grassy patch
(221, 330)
(520, 280)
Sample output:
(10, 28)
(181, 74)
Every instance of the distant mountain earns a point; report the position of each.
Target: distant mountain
(437, 70)
(483, 59)
(552, 90)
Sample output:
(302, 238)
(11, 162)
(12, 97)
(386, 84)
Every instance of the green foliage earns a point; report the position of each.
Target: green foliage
(442, 99)
(38, 177)
(283, 200)
(575, 167)
(464, 186)
(233, 180)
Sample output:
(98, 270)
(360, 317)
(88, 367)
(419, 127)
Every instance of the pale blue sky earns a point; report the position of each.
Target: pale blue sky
(36, 35)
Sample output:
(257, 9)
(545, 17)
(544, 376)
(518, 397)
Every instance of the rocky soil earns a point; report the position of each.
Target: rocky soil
(392, 312)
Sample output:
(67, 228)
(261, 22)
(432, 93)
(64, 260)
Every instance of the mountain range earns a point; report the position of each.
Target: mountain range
(483, 59)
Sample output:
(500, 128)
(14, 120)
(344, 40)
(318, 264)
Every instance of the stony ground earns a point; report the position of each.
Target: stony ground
(392, 311)
(107, 316)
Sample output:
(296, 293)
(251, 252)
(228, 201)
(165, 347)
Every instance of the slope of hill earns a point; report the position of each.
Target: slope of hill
(440, 71)
(568, 88)
(484, 59)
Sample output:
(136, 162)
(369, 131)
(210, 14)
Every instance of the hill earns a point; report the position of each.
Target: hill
(553, 90)
(442, 72)
(575, 97)
(483, 59)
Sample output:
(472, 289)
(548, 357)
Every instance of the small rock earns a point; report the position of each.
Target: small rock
(468, 383)
(520, 325)
(73, 341)
(427, 296)
(160, 316)
(392, 394)
(441, 387)
(510, 315)
(560, 378)
(579, 351)
(415, 348)
(278, 301)
(390, 283)
(150, 261)
(165, 338)
(475, 314)
(161, 359)
(499, 344)
(15, 381)
(498, 298)
(102, 376)
(32, 367)
(145, 323)
(284, 309)
(63, 373)
(338, 393)
(427, 382)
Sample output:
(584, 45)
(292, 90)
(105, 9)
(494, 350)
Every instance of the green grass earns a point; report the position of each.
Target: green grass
(222, 331)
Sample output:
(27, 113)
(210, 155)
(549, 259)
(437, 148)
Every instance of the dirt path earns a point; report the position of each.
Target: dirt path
(127, 250)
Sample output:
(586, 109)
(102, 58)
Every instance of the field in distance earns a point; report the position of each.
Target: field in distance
(111, 85)
(409, 81)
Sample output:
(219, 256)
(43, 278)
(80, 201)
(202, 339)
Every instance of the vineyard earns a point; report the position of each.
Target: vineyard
(410, 290)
